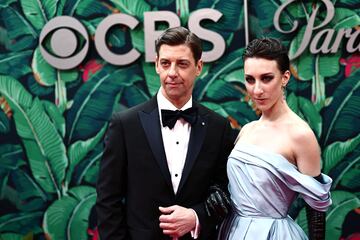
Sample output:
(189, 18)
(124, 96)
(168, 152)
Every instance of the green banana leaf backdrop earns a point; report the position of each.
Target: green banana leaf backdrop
(52, 122)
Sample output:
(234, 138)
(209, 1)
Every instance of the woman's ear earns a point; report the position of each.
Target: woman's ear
(285, 78)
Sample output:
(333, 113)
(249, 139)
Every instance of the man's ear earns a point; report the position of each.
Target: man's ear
(157, 65)
(199, 67)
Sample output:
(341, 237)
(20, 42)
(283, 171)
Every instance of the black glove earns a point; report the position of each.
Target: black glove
(217, 204)
(316, 223)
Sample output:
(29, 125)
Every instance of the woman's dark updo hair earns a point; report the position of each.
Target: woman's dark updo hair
(270, 49)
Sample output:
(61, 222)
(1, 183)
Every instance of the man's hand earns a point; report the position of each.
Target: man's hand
(176, 221)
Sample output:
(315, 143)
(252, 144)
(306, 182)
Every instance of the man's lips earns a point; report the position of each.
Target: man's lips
(172, 83)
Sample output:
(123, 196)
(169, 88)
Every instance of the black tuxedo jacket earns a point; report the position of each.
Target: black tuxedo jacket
(134, 179)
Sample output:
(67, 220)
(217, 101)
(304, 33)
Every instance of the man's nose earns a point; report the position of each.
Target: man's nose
(172, 70)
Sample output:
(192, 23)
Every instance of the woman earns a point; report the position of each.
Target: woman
(274, 159)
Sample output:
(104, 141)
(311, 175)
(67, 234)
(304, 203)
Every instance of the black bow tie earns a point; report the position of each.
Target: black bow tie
(170, 117)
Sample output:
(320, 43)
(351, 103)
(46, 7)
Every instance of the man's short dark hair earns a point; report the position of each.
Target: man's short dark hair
(177, 36)
(270, 49)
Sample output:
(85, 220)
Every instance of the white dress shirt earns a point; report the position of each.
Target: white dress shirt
(176, 141)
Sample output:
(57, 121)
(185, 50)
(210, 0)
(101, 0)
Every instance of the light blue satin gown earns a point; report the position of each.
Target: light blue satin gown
(263, 184)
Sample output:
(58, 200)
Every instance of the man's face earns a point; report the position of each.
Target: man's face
(177, 70)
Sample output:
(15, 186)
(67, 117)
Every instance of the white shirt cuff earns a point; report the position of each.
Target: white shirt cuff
(195, 232)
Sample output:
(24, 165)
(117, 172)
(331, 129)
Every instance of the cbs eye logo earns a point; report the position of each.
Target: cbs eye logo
(64, 42)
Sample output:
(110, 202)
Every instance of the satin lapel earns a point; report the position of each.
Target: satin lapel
(151, 124)
(196, 140)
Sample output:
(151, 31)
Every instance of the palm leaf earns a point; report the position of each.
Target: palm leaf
(60, 7)
(70, 7)
(6, 3)
(36, 89)
(151, 77)
(345, 18)
(341, 169)
(138, 38)
(90, 8)
(26, 187)
(342, 115)
(299, 9)
(67, 218)
(265, 11)
(44, 73)
(4, 123)
(221, 90)
(93, 103)
(226, 64)
(79, 149)
(307, 64)
(351, 179)
(39, 12)
(336, 152)
(343, 202)
(55, 116)
(11, 156)
(92, 24)
(303, 65)
(329, 64)
(216, 108)
(18, 44)
(115, 37)
(307, 111)
(133, 8)
(31, 197)
(182, 10)
(14, 236)
(85, 167)
(21, 223)
(134, 95)
(11, 236)
(240, 111)
(44, 146)
(351, 3)
(17, 60)
(295, 45)
(236, 76)
(68, 76)
(160, 3)
(232, 11)
(78, 224)
(16, 25)
(22, 43)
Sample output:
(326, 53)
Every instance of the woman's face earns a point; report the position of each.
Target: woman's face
(264, 82)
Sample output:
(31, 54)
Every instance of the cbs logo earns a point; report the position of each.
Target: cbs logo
(64, 42)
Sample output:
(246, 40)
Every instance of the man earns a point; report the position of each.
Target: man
(157, 169)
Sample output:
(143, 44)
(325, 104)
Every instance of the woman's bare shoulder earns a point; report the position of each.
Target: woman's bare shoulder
(300, 130)
(305, 147)
(244, 129)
